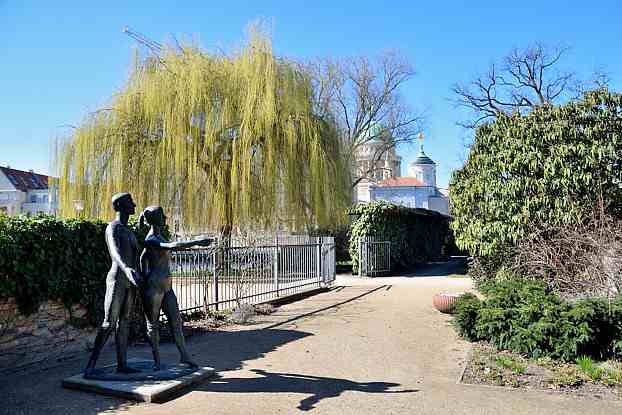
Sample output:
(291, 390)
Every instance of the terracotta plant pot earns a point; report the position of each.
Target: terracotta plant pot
(445, 302)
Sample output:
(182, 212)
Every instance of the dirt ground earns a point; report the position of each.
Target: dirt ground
(367, 346)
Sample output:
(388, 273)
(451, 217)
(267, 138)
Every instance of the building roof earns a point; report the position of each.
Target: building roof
(25, 180)
(400, 182)
(422, 158)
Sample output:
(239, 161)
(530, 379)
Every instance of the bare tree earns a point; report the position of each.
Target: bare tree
(364, 96)
(525, 79)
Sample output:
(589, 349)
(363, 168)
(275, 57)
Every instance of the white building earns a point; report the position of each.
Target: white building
(417, 190)
(374, 163)
(25, 193)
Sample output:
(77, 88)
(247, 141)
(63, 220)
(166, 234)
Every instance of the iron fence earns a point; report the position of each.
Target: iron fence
(223, 277)
(374, 257)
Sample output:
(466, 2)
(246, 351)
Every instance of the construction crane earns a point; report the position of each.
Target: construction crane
(152, 45)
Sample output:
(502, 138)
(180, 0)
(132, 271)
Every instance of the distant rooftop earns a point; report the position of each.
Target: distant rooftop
(400, 182)
(25, 180)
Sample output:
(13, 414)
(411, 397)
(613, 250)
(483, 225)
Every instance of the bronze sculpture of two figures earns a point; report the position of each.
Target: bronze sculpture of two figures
(148, 275)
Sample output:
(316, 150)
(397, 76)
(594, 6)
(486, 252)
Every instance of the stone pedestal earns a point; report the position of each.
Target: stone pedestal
(146, 386)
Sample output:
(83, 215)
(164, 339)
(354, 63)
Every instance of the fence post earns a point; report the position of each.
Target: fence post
(215, 277)
(275, 267)
(360, 257)
(319, 260)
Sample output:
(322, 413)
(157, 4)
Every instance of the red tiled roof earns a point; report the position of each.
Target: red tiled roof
(25, 180)
(400, 182)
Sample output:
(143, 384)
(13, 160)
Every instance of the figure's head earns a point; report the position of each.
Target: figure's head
(122, 202)
(153, 216)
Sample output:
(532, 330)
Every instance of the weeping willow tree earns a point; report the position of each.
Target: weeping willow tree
(222, 139)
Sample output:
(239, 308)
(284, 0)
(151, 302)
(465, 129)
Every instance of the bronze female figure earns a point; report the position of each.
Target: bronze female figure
(157, 292)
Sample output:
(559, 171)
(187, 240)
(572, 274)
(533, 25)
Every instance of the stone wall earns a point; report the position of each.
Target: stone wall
(42, 338)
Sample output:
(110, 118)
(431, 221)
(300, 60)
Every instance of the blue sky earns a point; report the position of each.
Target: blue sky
(59, 60)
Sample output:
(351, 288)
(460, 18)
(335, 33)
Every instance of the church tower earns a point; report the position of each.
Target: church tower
(423, 168)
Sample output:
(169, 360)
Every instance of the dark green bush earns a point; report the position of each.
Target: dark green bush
(524, 172)
(416, 235)
(465, 316)
(45, 258)
(522, 316)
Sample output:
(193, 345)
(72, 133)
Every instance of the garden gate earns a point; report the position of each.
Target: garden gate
(374, 257)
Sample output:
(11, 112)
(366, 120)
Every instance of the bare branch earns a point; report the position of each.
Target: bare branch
(527, 78)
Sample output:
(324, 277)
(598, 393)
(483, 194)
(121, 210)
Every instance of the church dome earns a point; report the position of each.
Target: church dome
(373, 133)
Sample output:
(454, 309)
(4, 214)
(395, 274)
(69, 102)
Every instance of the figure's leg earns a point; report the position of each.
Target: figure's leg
(152, 302)
(171, 310)
(112, 308)
(123, 330)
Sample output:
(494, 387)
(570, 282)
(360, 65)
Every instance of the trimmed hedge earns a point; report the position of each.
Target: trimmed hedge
(45, 258)
(416, 235)
(522, 316)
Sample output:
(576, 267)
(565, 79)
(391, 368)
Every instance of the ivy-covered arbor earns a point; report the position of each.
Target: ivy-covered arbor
(222, 139)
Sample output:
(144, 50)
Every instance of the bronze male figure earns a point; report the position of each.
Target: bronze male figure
(121, 284)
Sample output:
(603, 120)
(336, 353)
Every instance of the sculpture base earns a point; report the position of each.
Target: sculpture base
(145, 386)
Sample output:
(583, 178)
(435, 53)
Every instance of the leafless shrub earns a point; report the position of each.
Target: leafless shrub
(242, 314)
(264, 309)
(246, 262)
(577, 261)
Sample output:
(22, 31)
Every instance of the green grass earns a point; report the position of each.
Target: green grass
(587, 366)
(510, 363)
(609, 373)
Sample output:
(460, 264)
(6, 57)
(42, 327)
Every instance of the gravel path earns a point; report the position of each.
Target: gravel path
(368, 346)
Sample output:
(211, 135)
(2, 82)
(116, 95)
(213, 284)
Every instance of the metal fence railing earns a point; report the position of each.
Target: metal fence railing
(374, 257)
(221, 278)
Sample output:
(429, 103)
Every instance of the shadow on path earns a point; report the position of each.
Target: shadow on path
(40, 392)
(455, 265)
(318, 387)
(337, 289)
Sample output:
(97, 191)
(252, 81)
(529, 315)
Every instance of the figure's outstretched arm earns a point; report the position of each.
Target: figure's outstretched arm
(154, 242)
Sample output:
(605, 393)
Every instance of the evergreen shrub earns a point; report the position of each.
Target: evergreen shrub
(524, 317)
(545, 168)
(416, 235)
(465, 316)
